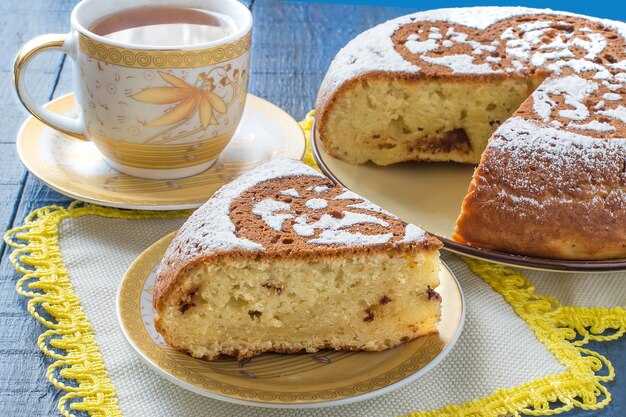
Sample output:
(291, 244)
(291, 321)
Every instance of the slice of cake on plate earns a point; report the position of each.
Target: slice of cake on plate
(284, 260)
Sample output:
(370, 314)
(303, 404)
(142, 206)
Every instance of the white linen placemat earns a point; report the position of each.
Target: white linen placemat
(496, 350)
(584, 289)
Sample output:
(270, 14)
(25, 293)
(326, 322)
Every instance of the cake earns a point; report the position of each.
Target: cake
(284, 260)
(536, 97)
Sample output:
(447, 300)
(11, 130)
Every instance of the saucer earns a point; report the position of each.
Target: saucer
(78, 170)
(301, 380)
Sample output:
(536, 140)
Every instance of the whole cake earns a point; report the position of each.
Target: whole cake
(536, 97)
(284, 260)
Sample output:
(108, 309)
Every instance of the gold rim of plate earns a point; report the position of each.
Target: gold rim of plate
(283, 380)
(123, 191)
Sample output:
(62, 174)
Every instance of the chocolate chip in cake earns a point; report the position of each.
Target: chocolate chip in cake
(384, 300)
(254, 314)
(188, 301)
(186, 307)
(432, 294)
(278, 289)
(369, 315)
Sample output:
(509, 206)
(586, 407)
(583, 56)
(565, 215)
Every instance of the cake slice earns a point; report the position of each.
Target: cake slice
(284, 260)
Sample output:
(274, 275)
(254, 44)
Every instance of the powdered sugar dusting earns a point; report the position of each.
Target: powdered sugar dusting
(369, 206)
(344, 238)
(619, 113)
(564, 159)
(592, 125)
(270, 211)
(320, 189)
(573, 88)
(348, 195)
(582, 69)
(417, 47)
(619, 65)
(316, 204)
(328, 222)
(363, 204)
(373, 50)
(461, 64)
(611, 96)
(291, 192)
(413, 234)
(211, 230)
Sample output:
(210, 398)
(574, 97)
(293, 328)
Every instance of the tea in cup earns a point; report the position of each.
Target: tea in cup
(161, 84)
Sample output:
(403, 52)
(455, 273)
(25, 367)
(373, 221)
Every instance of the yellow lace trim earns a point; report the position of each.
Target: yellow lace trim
(563, 330)
(69, 339)
(306, 126)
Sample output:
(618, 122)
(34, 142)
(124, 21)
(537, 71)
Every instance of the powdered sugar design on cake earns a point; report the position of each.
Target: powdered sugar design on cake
(320, 189)
(291, 192)
(329, 223)
(333, 228)
(363, 204)
(526, 43)
(316, 204)
(345, 238)
(413, 233)
(618, 113)
(270, 211)
(573, 89)
(211, 230)
(373, 50)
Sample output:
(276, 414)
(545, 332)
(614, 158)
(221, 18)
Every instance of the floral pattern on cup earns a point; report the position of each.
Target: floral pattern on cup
(163, 106)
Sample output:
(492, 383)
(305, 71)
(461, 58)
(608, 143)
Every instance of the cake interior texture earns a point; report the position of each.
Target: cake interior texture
(242, 307)
(433, 119)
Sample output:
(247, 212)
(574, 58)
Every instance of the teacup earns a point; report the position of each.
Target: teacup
(152, 111)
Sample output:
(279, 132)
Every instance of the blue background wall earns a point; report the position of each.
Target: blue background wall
(601, 8)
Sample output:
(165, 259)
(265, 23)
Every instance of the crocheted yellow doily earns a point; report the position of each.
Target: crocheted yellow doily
(70, 339)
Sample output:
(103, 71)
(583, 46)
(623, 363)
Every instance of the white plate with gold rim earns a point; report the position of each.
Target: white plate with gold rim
(429, 194)
(76, 168)
(282, 380)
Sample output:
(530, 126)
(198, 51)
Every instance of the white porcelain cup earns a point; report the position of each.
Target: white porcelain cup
(153, 111)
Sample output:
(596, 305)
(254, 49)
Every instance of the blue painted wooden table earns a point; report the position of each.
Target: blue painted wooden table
(293, 45)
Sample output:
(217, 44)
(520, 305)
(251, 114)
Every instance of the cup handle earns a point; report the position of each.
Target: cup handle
(66, 43)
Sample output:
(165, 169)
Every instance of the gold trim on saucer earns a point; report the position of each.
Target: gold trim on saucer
(174, 58)
(282, 380)
(113, 189)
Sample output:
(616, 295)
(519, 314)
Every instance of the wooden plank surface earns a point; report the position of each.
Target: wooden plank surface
(293, 44)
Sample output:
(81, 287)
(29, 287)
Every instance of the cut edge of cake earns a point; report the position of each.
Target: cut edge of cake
(270, 256)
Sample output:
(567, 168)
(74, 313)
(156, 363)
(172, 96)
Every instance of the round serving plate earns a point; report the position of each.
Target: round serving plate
(429, 194)
(282, 380)
(76, 168)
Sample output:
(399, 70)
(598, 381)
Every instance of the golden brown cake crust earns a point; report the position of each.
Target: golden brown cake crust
(534, 203)
(551, 182)
(324, 219)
